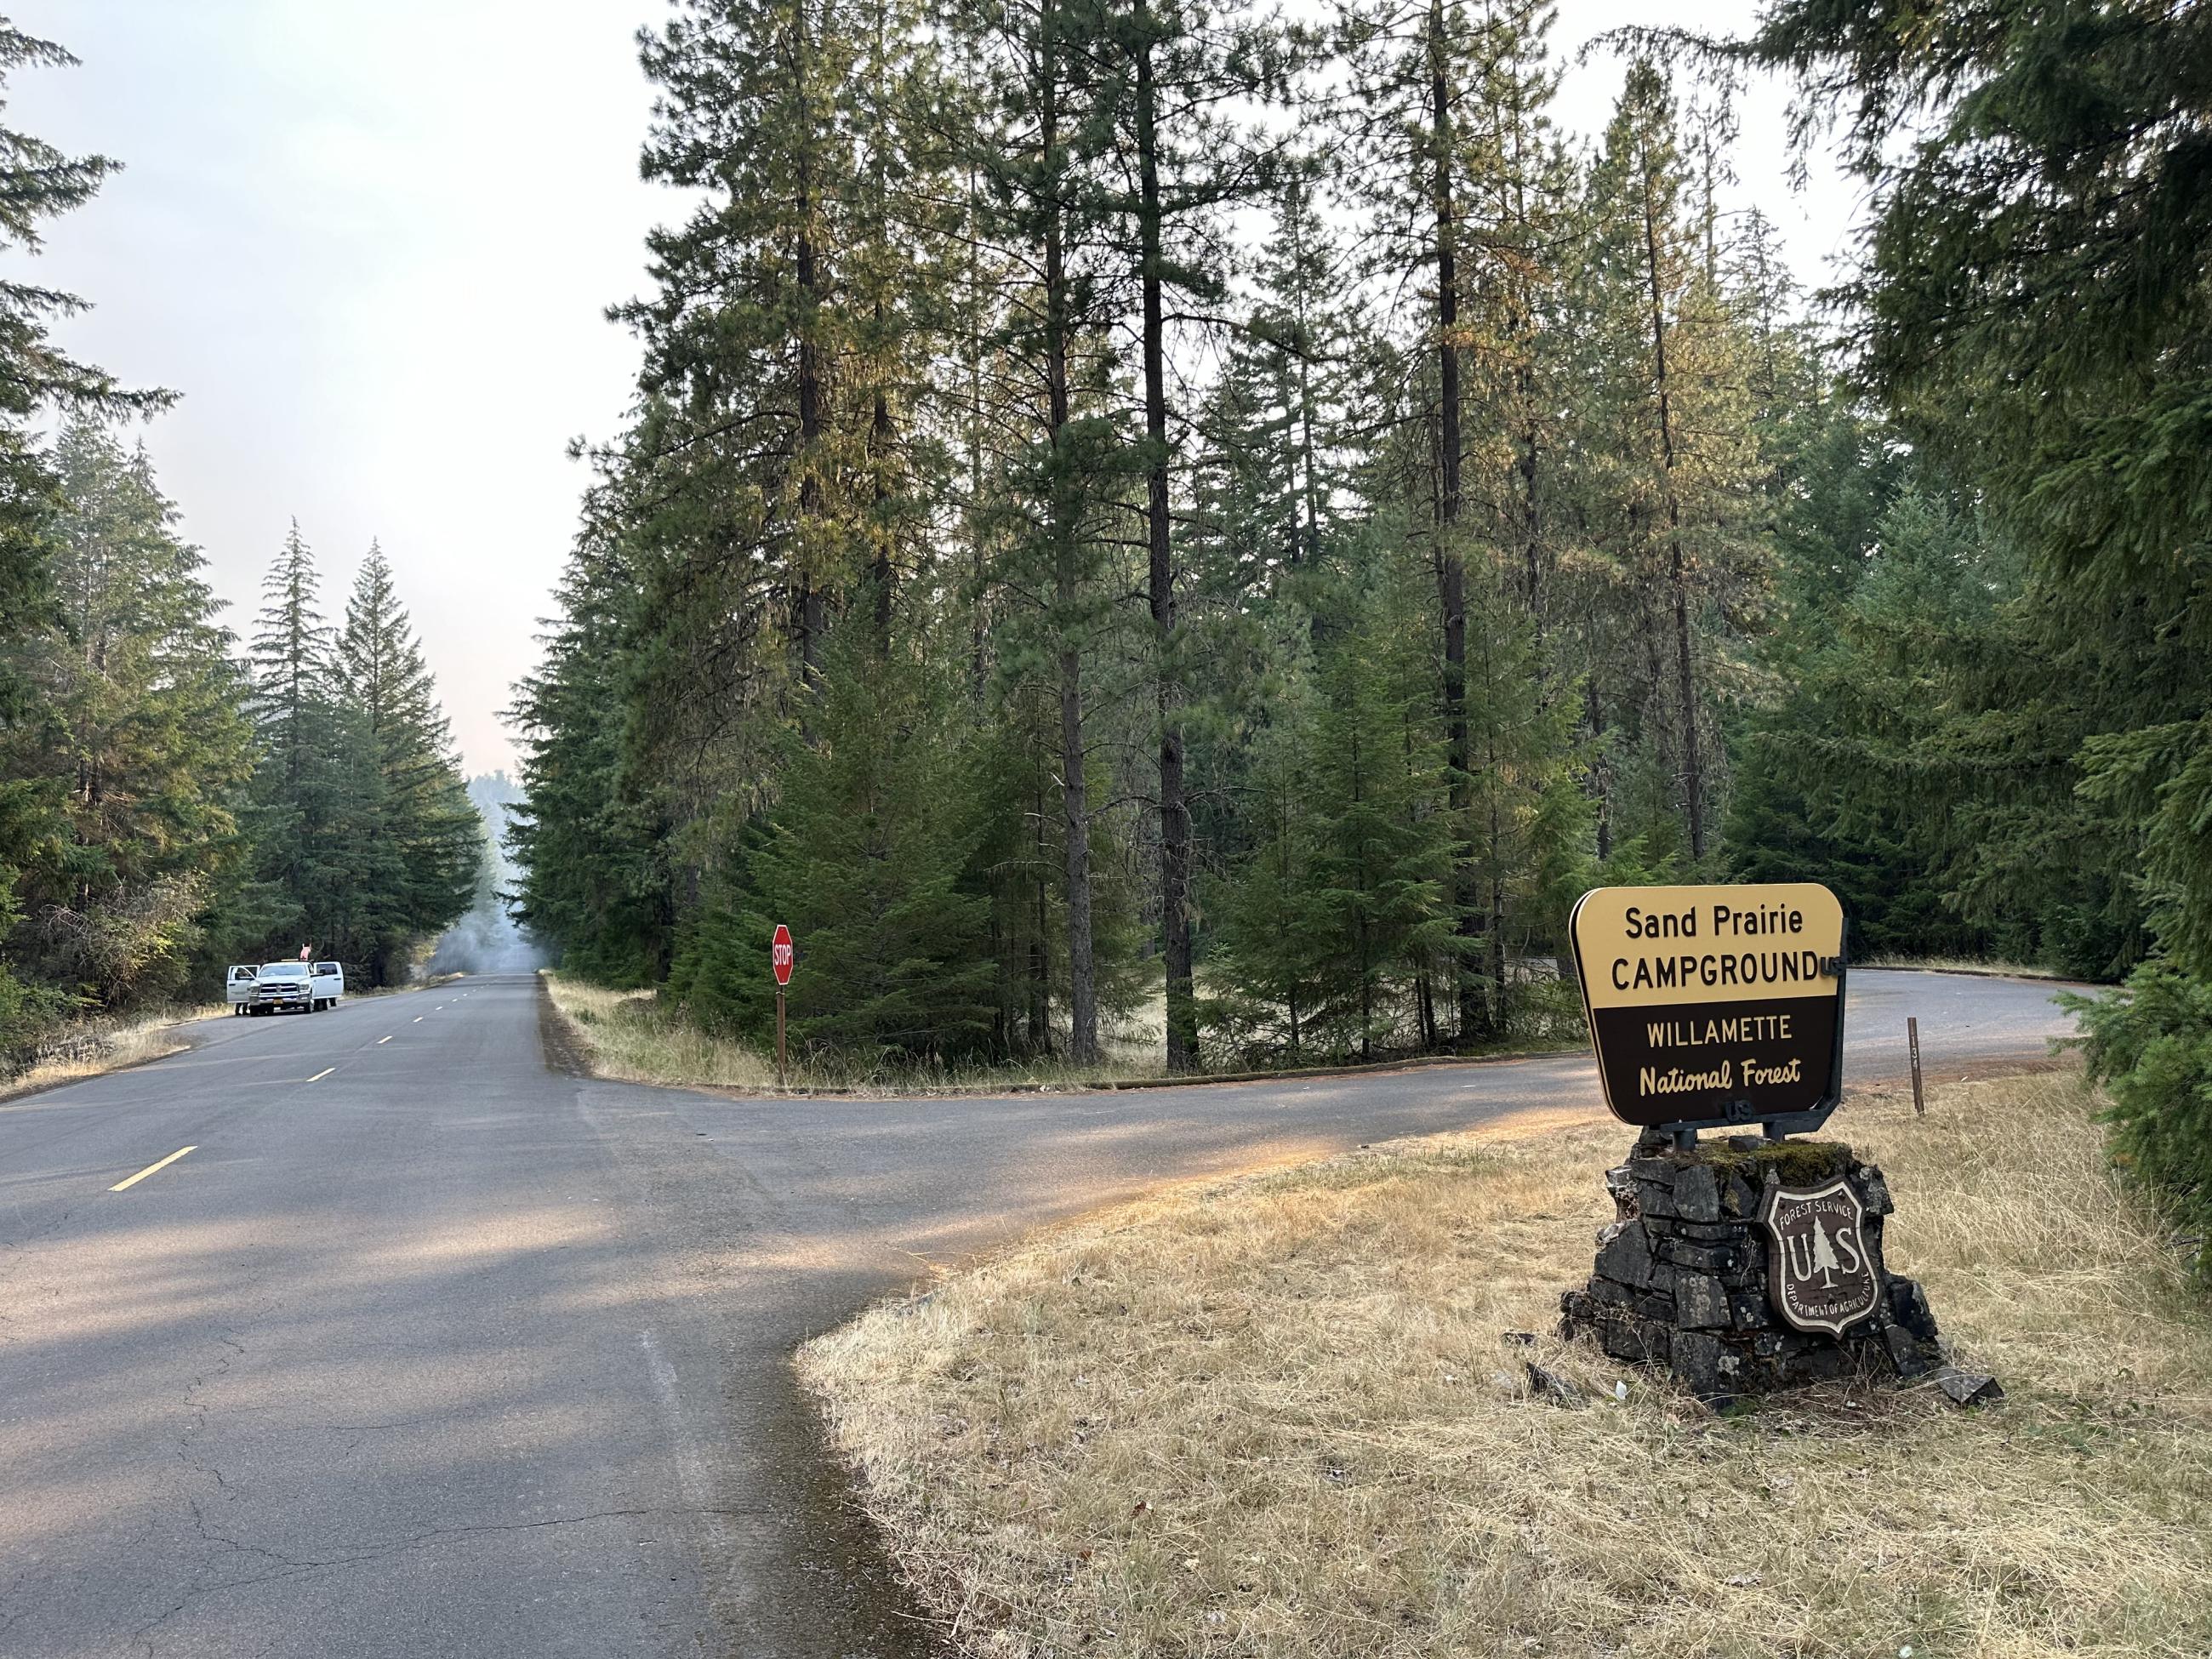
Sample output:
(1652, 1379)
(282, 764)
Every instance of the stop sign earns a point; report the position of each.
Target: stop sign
(780, 956)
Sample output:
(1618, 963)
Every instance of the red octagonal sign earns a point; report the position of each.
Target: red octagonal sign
(780, 955)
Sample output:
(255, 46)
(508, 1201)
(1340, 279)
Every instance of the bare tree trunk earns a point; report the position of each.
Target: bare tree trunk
(1677, 573)
(880, 436)
(880, 576)
(1451, 574)
(1600, 783)
(1175, 813)
(979, 612)
(809, 619)
(1307, 549)
(1040, 975)
(1074, 785)
(1532, 521)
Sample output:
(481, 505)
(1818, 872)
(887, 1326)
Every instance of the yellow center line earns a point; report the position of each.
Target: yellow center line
(120, 1185)
(320, 1075)
(383, 1039)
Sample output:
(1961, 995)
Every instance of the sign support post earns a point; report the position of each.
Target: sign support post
(781, 956)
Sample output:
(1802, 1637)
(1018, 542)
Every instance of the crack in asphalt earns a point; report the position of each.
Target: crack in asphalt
(294, 1567)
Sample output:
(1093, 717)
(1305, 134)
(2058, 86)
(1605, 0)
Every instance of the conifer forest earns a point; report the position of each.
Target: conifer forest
(1136, 498)
(1225, 522)
(173, 796)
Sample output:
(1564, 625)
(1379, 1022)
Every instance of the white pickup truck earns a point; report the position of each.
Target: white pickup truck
(284, 986)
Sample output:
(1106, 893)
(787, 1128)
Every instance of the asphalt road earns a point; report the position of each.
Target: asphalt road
(424, 1350)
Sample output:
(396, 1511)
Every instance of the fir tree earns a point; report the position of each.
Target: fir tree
(1675, 468)
(867, 860)
(38, 183)
(1385, 848)
(593, 848)
(417, 842)
(1271, 947)
(1042, 130)
(144, 741)
(301, 788)
(2037, 222)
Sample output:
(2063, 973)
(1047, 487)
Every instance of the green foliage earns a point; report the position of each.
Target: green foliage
(1552, 472)
(592, 850)
(1842, 779)
(296, 811)
(365, 844)
(1382, 599)
(141, 746)
(416, 842)
(1341, 919)
(868, 859)
(2034, 313)
(1266, 967)
(160, 811)
(2150, 1044)
(38, 183)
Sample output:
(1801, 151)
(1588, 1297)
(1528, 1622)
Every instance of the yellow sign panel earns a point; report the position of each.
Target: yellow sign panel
(1712, 1005)
(1641, 947)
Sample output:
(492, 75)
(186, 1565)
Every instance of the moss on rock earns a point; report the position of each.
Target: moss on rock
(1795, 1163)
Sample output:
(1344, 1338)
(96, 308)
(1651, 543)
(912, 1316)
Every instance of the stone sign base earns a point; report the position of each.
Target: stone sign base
(1681, 1277)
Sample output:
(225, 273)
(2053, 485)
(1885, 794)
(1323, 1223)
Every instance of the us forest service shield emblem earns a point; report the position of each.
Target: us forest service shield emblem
(1821, 1271)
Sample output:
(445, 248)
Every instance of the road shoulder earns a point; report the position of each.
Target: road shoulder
(1288, 1414)
(100, 1052)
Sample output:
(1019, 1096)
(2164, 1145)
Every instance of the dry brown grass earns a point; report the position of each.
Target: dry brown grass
(629, 1037)
(1281, 1417)
(94, 1049)
(626, 1037)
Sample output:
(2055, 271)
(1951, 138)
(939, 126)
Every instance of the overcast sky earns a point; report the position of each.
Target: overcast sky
(371, 242)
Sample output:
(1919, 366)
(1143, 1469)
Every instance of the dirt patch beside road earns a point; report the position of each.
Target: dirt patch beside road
(566, 1052)
(1286, 1415)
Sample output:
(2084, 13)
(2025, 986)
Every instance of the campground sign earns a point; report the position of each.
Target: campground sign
(1714, 1008)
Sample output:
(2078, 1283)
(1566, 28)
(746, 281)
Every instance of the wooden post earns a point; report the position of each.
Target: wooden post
(779, 1042)
(1912, 1041)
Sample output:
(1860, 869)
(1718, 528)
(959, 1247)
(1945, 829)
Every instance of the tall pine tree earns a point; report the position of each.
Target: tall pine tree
(415, 841)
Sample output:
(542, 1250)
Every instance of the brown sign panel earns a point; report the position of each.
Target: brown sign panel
(1821, 1271)
(1714, 1005)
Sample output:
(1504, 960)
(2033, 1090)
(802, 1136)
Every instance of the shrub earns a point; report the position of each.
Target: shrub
(2150, 1045)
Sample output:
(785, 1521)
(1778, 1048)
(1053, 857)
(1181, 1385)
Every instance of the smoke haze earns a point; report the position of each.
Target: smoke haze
(486, 940)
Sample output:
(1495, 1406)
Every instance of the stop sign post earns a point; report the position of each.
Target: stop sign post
(779, 957)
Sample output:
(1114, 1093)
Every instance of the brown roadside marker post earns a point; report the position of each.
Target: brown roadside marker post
(780, 956)
(1912, 1041)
